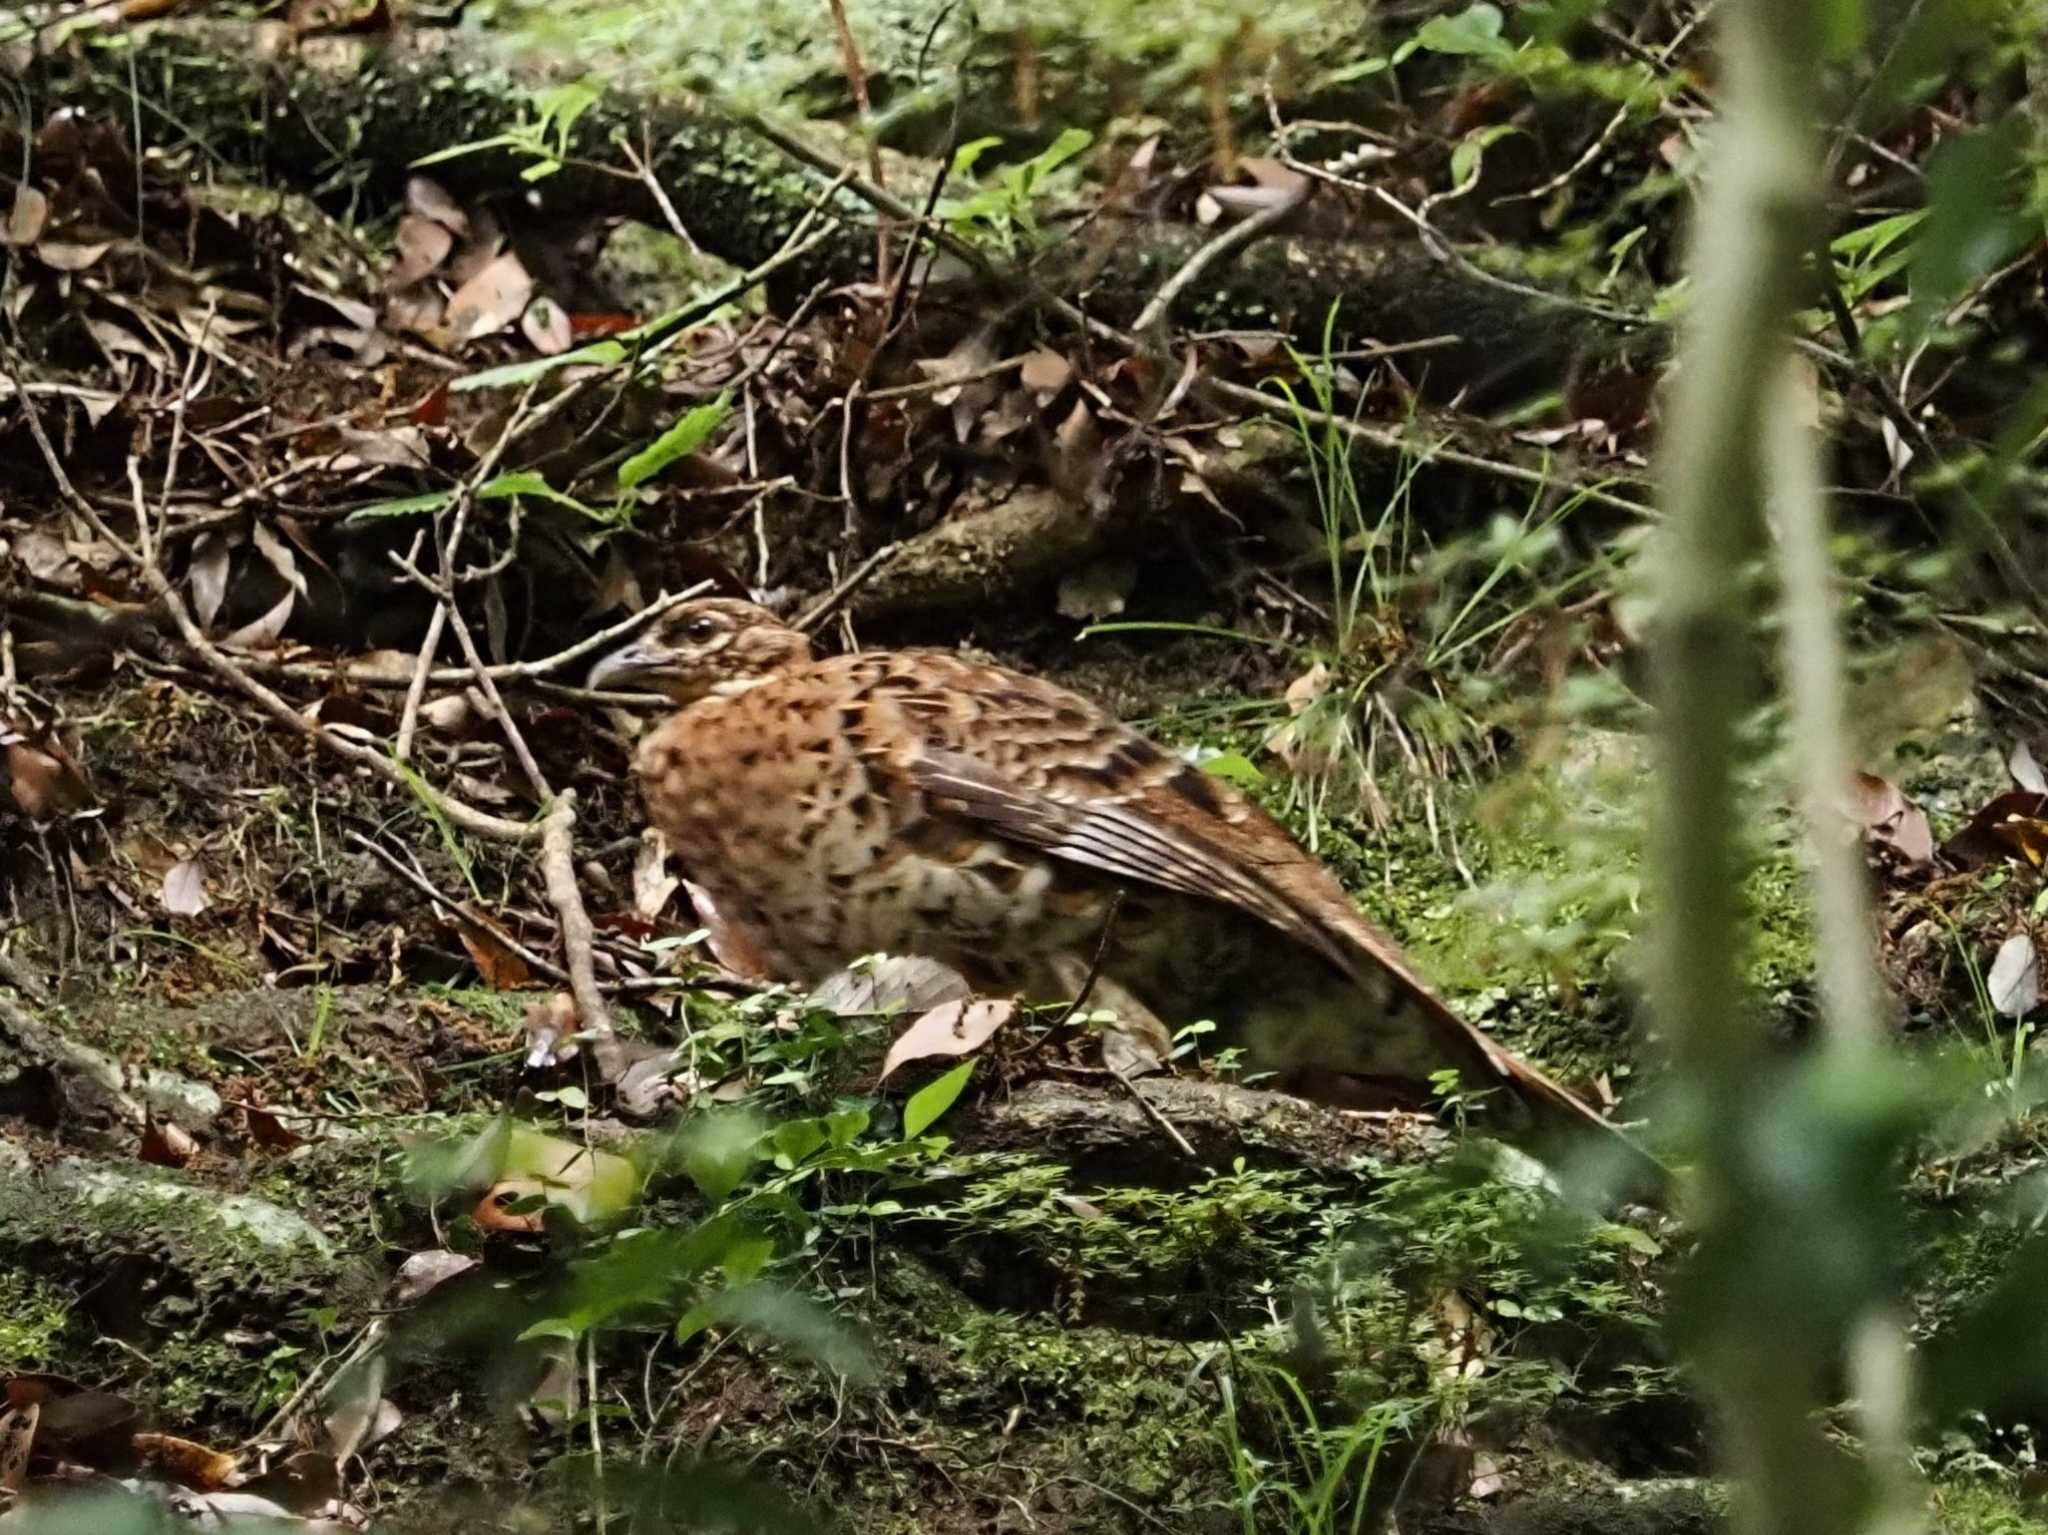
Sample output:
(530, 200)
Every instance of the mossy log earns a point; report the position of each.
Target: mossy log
(347, 117)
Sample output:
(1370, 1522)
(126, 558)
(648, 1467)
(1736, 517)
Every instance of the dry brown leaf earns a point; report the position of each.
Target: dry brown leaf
(546, 325)
(1891, 822)
(269, 1131)
(730, 944)
(187, 1461)
(952, 1028)
(183, 892)
(64, 256)
(2013, 822)
(893, 983)
(27, 219)
(263, 633)
(422, 244)
(42, 783)
(280, 559)
(653, 885)
(208, 574)
(428, 198)
(423, 1273)
(500, 968)
(491, 300)
(1045, 373)
(165, 1144)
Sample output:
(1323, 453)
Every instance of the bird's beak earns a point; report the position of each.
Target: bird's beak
(629, 663)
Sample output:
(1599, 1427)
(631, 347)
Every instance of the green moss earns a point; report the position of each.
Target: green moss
(1977, 1508)
(34, 1316)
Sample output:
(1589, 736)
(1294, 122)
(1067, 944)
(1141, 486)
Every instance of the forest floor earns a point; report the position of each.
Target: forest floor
(309, 1199)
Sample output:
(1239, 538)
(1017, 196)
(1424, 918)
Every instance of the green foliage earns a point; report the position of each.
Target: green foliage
(542, 136)
(1004, 214)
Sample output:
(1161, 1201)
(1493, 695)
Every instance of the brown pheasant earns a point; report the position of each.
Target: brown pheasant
(913, 802)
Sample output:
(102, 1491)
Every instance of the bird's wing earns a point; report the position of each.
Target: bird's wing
(1054, 771)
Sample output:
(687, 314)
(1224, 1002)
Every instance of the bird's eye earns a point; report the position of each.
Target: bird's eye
(700, 628)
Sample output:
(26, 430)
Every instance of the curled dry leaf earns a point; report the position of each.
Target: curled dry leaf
(184, 889)
(1892, 824)
(952, 1028)
(491, 300)
(2015, 980)
(422, 244)
(27, 219)
(500, 968)
(43, 781)
(351, 1404)
(429, 199)
(423, 1273)
(1045, 373)
(2026, 770)
(2013, 823)
(64, 256)
(652, 883)
(208, 574)
(165, 1144)
(269, 1131)
(263, 633)
(894, 983)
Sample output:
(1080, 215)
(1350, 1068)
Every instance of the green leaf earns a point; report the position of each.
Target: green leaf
(717, 1150)
(1472, 148)
(403, 506)
(1473, 31)
(795, 1140)
(474, 146)
(796, 1323)
(599, 354)
(550, 1327)
(967, 154)
(1972, 223)
(933, 1099)
(1235, 767)
(527, 483)
(679, 441)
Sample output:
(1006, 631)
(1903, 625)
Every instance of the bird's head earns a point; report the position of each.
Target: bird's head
(712, 645)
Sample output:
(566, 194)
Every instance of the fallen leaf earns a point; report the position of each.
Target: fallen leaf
(1045, 373)
(653, 885)
(269, 1131)
(952, 1028)
(42, 783)
(2026, 772)
(263, 633)
(423, 1273)
(184, 889)
(208, 574)
(891, 983)
(2014, 821)
(422, 244)
(1891, 822)
(429, 199)
(27, 218)
(2015, 980)
(547, 327)
(351, 1404)
(165, 1144)
(63, 256)
(500, 968)
(491, 300)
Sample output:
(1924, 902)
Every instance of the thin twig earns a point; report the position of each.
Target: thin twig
(558, 868)
(1233, 239)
